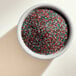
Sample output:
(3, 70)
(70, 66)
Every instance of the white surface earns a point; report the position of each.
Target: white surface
(10, 12)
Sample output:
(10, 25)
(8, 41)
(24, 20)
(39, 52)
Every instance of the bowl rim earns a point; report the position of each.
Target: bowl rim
(29, 51)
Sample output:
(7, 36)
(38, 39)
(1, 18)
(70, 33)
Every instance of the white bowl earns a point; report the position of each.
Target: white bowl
(29, 51)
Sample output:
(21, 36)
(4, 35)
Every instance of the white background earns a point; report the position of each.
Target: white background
(10, 12)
